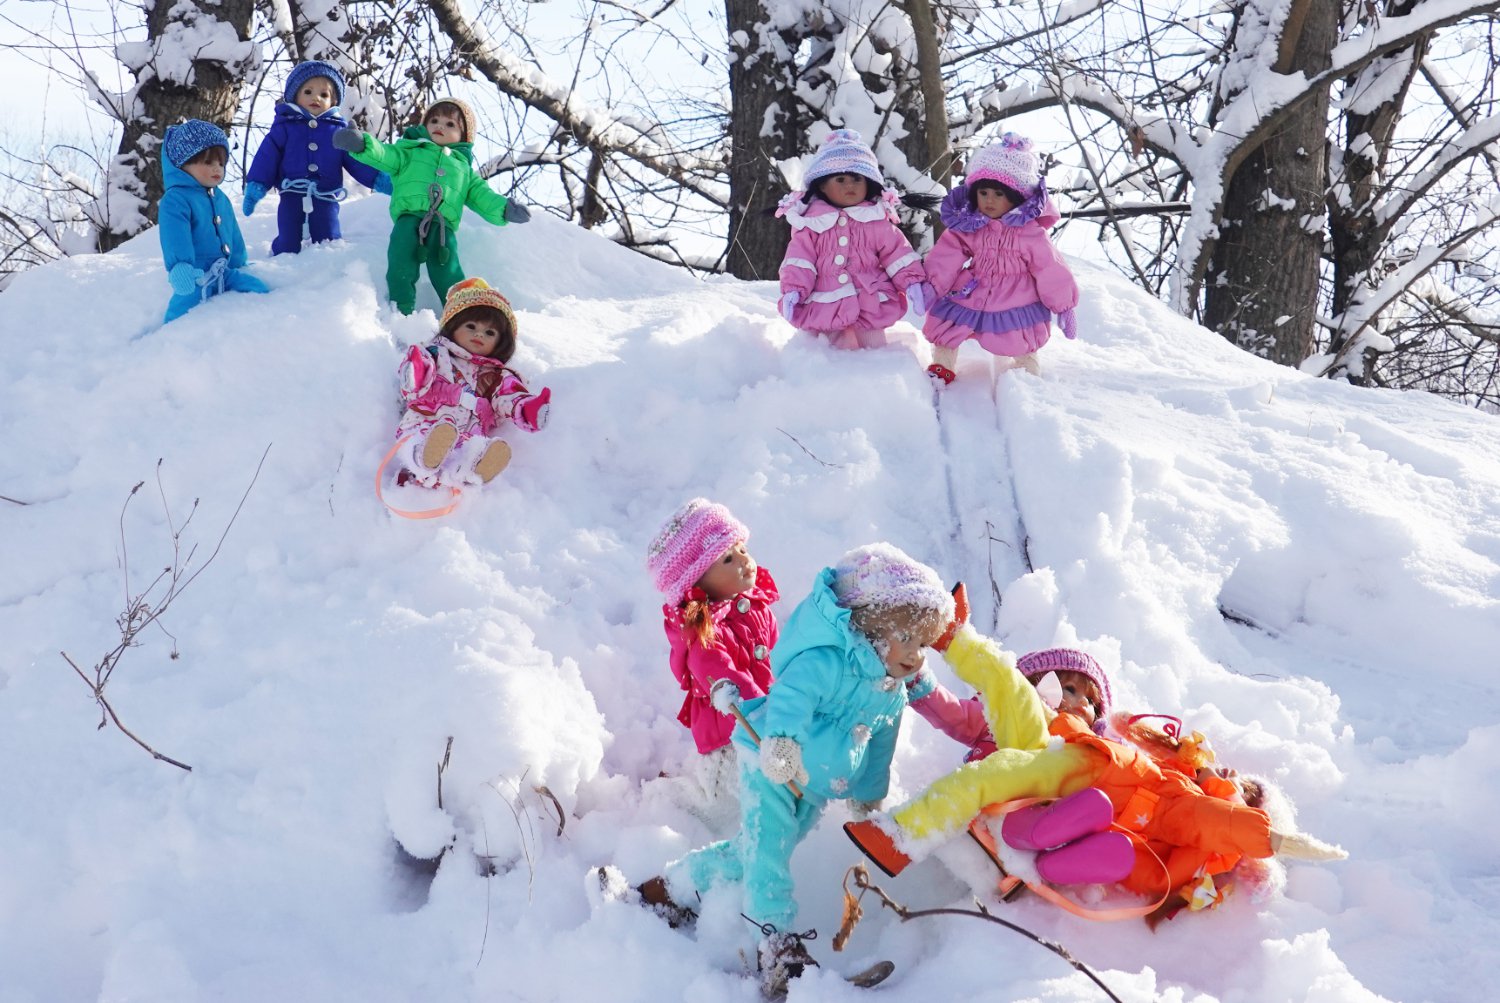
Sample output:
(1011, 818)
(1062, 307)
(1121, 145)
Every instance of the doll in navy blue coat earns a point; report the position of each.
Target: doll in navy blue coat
(201, 245)
(298, 158)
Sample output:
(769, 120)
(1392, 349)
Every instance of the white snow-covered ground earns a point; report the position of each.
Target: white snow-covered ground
(330, 650)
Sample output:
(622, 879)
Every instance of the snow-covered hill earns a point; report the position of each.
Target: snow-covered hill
(1308, 572)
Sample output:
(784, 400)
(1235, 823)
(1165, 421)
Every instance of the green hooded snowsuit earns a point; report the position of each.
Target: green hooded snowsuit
(431, 184)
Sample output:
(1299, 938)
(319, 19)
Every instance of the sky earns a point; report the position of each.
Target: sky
(1306, 571)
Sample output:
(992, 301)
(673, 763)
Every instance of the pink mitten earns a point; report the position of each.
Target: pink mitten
(485, 412)
(414, 372)
(1069, 324)
(531, 412)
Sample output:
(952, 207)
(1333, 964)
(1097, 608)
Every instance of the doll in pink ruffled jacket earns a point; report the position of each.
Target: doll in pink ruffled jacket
(459, 392)
(849, 271)
(996, 277)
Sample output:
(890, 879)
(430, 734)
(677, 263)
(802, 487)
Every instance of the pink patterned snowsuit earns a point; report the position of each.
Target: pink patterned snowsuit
(443, 382)
(998, 281)
(850, 268)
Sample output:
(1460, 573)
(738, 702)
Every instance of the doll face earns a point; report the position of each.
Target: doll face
(899, 637)
(844, 190)
(315, 95)
(477, 337)
(1081, 695)
(207, 168)
(731, 574)
(992, 202)
(444, 127)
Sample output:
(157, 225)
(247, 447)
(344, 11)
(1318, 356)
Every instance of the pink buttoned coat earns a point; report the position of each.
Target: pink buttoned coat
(850, 268)
(745, 631)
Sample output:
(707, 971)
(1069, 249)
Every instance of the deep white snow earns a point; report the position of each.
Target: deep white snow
(330, 650)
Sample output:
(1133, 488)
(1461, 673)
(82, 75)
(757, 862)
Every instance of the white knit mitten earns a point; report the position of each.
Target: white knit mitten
(781, 760)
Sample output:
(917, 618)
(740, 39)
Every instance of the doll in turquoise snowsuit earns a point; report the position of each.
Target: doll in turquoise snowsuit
(432, 180)
(829, 724)
(201, 244)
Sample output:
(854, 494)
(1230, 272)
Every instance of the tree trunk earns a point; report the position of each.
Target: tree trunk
(1261, 288)
(762, 130)
(164, 95)
(939, 159)
(323, 29)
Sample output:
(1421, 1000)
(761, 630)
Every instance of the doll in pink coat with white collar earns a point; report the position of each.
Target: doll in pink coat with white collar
(997, 279)
(849, 271)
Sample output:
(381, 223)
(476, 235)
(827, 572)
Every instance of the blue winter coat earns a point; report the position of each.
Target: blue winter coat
(833, 696)
(196, 224)
(299, 146)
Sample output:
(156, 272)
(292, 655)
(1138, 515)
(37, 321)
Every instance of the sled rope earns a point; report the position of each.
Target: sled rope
(429, 513)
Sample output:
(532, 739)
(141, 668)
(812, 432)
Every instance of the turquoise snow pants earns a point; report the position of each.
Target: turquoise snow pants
(772, 823)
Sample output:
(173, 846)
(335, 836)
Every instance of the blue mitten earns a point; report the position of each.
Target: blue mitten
(515, 212)
(254, 192)
(184, 278)
(383, 183)
(351, 140)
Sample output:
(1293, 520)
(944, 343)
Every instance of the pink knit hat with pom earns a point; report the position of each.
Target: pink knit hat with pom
(694, 538)
(1038, 663)
(844, 151)
(1009, 162)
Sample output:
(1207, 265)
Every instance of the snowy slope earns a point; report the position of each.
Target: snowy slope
(330, 650)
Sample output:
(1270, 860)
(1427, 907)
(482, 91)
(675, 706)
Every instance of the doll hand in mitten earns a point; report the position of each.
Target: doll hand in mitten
(383, 184)
(531, 412)
(414, 371)
(787, 304)
(960, 617)
(1301, 846)
(184, 278)
(863, 809)
(485, 412)
(1069, 324)
(920, 296)
(515, 212)
(781, 760)
(350, 140)
(724, 695)
(254, 192)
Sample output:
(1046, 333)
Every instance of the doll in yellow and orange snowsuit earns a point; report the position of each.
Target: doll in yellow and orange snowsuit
(1121, 813)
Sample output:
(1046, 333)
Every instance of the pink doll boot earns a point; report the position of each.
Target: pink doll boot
(1043, 826)
(1098, 859)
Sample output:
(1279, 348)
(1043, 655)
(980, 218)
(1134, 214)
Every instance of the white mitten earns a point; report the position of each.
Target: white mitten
(1301, 846)
(724, 695)
(781, 760)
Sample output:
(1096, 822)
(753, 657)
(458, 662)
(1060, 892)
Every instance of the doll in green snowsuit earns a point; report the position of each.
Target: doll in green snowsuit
(433, 178)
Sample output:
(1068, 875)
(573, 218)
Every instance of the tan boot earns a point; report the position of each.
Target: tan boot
(783, 957)
(654, 894)
(438, 445)
(494, 459)
(1029, 363)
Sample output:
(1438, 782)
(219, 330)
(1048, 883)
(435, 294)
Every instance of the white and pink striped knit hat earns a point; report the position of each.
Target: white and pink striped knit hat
(843, 151)
(694, 538)
(1009, 162)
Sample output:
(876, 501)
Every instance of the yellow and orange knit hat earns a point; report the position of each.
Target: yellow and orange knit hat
(464, 112)
(476, 292)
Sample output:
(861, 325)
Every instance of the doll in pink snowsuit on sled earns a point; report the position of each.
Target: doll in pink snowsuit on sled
(459, 391)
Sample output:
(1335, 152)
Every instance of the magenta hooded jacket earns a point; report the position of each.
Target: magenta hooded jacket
(745, 631)
(997, 281)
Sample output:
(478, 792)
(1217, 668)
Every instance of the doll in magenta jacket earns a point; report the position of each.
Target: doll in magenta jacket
(997, 279)
(849, 271)
(719, 625)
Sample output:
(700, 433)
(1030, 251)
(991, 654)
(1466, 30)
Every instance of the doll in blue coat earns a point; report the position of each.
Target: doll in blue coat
(846, 665)
(201, 244)
(298, 158)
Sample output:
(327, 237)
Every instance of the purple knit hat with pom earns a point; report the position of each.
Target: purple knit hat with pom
(695, 536)
(1009, 162)
(843, 151)
(1038, 663)
(881, 576)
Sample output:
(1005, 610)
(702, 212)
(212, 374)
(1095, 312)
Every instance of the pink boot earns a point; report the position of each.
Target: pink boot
(1098, 859)
(1042, 826)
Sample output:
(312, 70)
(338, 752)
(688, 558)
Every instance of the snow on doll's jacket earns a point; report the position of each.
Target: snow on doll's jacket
(744, 633)
(831, 695)
(437, 375)
(415, 164)
(196, 225)
(997, 277)
(844, 263)
(298, 149)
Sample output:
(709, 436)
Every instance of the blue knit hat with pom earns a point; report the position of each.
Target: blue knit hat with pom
(844, 151)
(303, 72)
(184, 142)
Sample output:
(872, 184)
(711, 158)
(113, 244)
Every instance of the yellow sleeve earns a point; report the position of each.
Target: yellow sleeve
(1017, 717)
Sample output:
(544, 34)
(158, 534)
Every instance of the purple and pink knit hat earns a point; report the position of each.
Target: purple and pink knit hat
(1036, 664)
(695, 536)
(1009, 162)
(843, 151)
